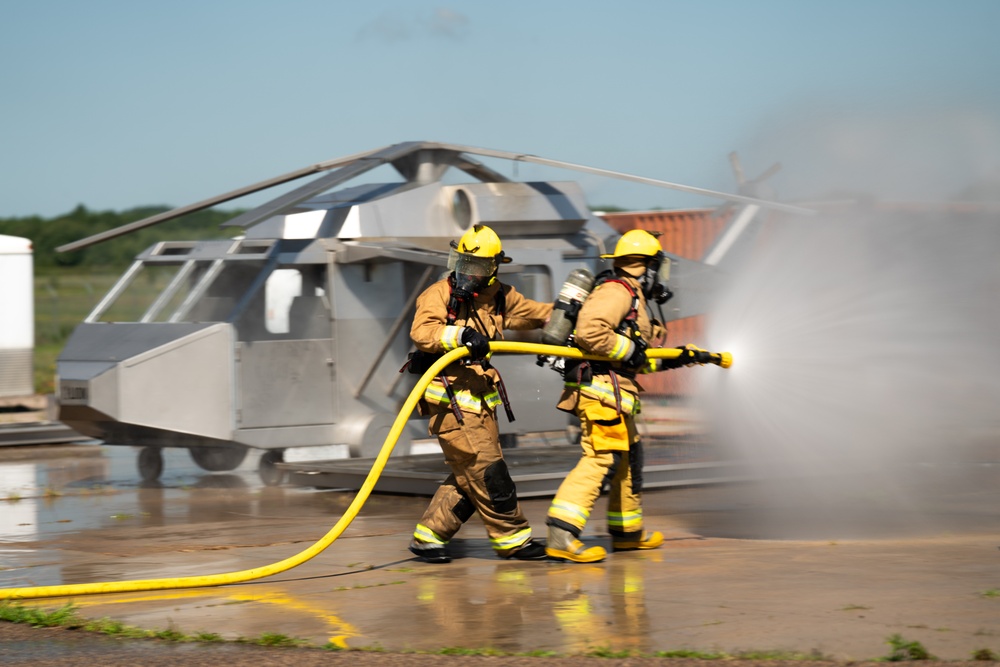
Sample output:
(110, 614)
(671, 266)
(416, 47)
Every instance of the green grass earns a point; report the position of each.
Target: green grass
(63, 297)
(903, 650)
(458, 650)
(273, 639)
(40, 618)
(991, 593)
(67, 617)
(686, 653)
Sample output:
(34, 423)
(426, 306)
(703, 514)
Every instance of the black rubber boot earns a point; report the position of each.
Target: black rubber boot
(428, 552)
(532, 550)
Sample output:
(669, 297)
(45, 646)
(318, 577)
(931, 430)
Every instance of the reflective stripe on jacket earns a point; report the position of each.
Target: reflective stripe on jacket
(431, 332)
(599, 318)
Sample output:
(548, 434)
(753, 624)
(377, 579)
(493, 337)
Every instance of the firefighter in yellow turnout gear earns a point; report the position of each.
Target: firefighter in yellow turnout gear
(612, 322)
(471, 307)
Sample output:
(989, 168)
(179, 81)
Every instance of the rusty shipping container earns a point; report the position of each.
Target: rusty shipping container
(688, 234)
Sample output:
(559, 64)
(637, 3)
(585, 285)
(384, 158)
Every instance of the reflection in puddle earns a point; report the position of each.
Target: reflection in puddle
(97, 487)
(339, 631)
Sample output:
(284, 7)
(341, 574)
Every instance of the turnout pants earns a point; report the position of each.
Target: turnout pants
(479, 482)
(606, 439)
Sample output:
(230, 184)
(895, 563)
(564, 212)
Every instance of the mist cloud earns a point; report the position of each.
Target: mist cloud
(441, 24)
(896, 151)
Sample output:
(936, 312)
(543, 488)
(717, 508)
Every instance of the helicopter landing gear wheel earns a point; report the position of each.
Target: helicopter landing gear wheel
(150, 463)
(269, 472)
(218, 459)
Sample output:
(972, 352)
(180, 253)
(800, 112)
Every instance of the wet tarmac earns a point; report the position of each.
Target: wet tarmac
(783, 565)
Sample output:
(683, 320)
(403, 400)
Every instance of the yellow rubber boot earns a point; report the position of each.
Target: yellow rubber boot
(563, 545)
(647, 541)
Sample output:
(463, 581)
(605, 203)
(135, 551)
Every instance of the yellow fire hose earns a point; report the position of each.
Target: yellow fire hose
(723, 359)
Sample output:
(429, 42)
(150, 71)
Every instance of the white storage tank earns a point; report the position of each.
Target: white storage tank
(17, 317)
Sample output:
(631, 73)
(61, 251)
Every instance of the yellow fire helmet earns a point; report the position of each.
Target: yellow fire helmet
(481, 241)
(477, 255)
(636, 242)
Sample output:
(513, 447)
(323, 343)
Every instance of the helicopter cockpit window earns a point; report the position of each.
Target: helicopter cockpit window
(144, 294)
(191, 291)
(291, 304)
(288, 295)
(215, 295)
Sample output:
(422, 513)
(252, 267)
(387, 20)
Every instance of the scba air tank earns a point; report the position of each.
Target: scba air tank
(572, 294)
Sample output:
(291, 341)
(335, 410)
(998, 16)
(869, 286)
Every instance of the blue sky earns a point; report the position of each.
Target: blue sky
(120, 103)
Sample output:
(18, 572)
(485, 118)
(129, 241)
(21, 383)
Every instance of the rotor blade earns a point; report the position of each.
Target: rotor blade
(629, 177)
(322, 184)
(477, 169)
(771, 171)
(674, 186)
(212, 201)
(734, 160)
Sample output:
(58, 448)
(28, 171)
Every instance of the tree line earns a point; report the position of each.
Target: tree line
(47, 234)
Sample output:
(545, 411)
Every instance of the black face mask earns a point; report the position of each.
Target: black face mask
(652, 288)
(465, 287)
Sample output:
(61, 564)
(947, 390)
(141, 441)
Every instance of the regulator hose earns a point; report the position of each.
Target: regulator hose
(723, 359)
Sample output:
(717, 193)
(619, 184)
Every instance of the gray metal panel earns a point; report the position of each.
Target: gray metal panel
(416, 211)
(354, 195)
(184, 385)
(285, 383)
(524, 208)
(93, 384)
(82, 370)
(288, 436)
(351, 252)
(364, 292)
(313, 253)
(536, 471)
(116, 341)
(39, 433)
(17, 376)
(200, 250)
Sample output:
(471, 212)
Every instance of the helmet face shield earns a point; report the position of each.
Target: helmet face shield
(474, 259)
(654, 281)
(663, 271)
(472, 273)
(471, 265)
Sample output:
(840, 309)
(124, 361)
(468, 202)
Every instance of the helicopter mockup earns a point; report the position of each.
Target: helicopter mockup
(291, 334)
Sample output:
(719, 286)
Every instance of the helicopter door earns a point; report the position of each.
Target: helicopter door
(284, 353)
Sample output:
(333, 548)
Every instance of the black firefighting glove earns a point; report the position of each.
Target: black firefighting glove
(692, 355)
(478, 344)
(638, 358)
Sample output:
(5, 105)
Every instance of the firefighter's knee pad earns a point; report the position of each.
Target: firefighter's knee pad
(463, 509)
(608, 429)
(503, 493)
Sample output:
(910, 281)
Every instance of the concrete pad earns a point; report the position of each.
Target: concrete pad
(728, 579)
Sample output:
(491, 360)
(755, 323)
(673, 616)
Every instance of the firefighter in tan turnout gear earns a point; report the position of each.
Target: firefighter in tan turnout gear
(471, 307)
(613, 322)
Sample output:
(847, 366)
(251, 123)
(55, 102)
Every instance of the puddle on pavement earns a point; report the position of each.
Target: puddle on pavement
(82, 491)
(43, 498)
